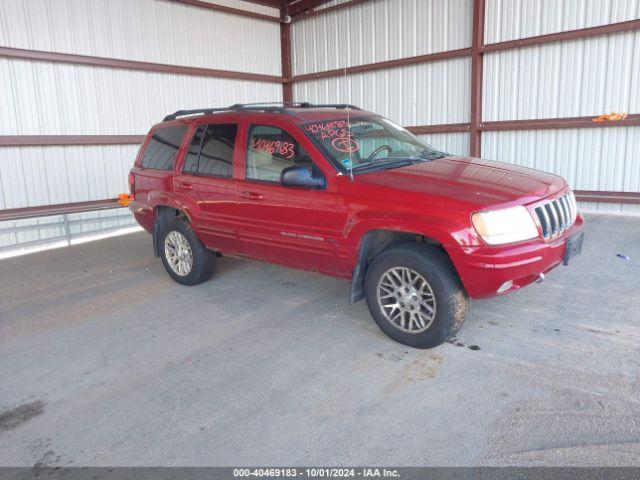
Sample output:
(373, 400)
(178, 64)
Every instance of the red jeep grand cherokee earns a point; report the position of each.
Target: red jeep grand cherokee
(341, 191)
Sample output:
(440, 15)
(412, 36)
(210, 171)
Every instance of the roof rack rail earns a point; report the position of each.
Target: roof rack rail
(204, 111)
(279, 107)
(265, 105)
(241, 106)
(340, 106)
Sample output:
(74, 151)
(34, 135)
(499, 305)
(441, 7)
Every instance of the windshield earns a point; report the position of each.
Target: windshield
(368, 143)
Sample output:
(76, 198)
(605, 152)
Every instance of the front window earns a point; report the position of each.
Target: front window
(269, 151)
(368, 143)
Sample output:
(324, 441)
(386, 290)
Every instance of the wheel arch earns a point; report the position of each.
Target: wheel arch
(162, 215)
(375, 241)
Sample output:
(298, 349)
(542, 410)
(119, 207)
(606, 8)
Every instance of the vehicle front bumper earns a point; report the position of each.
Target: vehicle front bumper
(484, 270)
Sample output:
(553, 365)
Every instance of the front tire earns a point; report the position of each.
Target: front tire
(415, 296)
(183, 255)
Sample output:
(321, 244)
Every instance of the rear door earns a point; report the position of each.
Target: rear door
(285, 225)
(206, 177)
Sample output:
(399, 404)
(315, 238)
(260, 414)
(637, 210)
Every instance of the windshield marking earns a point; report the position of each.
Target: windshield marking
(345, 145)
(361, 143)
(328, 129)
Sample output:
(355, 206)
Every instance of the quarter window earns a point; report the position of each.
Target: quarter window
(269, 151)
(211, 150)
(163, 147)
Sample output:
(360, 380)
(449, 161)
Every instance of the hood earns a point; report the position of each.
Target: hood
(472, 180)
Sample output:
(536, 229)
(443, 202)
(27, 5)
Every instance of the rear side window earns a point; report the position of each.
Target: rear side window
(163, 148)
(191, 160)
(211, 150)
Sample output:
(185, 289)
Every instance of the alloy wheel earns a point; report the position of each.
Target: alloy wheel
(178, 253)
(406, 300)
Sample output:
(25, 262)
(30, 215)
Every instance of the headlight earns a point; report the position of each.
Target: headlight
(509, 225)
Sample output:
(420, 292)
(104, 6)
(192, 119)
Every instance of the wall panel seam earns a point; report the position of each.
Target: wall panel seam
(38, 55)
(508, 45)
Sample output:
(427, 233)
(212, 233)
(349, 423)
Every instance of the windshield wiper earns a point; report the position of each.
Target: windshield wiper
(432, 154)
(388, 163)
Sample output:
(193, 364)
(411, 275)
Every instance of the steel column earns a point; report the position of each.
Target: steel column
(477, 42)
(285, 49)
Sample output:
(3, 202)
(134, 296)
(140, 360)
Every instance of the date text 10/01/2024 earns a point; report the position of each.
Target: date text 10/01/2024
(316, 472)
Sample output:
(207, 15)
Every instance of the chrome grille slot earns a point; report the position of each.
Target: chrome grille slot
(561, 224)
(565, 212)
(554, 219)
(543, 219)
(556, 216)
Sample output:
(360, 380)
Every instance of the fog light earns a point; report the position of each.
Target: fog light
(505, 286)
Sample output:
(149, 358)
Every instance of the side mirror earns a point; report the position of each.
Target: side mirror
(301, 176)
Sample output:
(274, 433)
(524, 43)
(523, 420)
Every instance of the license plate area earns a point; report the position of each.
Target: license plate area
(574, 247)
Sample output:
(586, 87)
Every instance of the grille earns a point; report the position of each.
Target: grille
(557, 215)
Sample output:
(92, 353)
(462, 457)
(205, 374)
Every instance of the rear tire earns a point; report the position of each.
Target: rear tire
(415, 296)
(183, 255)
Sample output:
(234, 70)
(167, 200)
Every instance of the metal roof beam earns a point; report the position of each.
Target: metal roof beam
(296, 7)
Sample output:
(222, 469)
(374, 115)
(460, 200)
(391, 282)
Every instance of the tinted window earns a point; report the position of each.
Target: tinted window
(216, 154)
(211, 150)
(191, 160)
(163, 147)
(271, 150)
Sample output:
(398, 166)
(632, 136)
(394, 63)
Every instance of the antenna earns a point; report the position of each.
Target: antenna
(349, 127)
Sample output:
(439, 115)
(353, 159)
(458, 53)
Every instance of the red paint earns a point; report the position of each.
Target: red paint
(322, 229)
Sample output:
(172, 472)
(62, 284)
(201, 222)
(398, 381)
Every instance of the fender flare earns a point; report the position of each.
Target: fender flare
(373, 241)
(162, 214)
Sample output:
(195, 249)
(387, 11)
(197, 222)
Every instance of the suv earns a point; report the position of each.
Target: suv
(344, 192)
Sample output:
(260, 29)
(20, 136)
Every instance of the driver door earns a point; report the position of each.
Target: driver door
(286, 225)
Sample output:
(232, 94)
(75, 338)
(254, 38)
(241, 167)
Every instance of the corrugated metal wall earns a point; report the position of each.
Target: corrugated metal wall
(61, 99)
(53, 175)
(380, 30)
(574, 78)
(585, 77)
(158, 31)
(455, 143)
(591, 158)
(513, 19)
(429, 93)
(45, 98)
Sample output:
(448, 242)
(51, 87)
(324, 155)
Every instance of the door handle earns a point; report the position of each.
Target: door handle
(253, 195)
(184, 186)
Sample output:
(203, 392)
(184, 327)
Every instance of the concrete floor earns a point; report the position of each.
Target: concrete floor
(106, 361)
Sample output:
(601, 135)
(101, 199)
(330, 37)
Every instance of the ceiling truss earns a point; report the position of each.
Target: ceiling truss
(291, 7)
